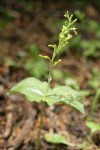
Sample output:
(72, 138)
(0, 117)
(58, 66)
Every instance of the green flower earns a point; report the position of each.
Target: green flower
(66, 31)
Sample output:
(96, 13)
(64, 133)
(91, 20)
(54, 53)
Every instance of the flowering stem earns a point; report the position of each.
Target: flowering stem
(64, 37)
(43, 103)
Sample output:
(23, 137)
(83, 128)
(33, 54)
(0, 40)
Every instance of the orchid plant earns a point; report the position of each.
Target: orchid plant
(41, 92)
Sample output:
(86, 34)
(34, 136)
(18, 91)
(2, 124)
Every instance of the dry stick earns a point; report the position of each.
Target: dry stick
(9, 125)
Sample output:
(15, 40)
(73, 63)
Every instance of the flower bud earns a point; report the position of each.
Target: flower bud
(45, 57)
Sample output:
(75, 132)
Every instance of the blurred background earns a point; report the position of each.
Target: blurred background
(26, 29)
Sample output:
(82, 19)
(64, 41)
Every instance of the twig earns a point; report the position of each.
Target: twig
(9, 125)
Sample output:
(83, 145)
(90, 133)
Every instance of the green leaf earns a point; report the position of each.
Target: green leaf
(32, 88)
(35, 90)
(94, 83)
(67, 95)
(72, 83)
(93, 126)
(34, 51)
(56, 138)
(85, 92)
(35, 68)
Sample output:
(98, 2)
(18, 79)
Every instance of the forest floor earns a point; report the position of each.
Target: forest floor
(19, 119)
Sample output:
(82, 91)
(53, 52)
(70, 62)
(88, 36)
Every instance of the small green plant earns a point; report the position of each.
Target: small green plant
(56, 138)
(34, 65)
(95, 85)
(93, 126)
(41, 92)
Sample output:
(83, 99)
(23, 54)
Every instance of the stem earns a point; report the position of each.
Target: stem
(50, 72)
(40, 127)
(43, 103)
(49, 78)
(94, 103)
